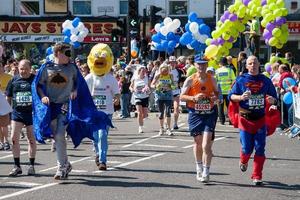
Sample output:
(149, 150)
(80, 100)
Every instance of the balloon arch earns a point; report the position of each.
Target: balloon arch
(234, 20)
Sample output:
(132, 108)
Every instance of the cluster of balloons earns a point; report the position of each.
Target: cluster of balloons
(273, 60)
(166, 38)
(196, 33)
(234, 20)
(286, 83)
(276, 30)
(49, 54)
(74, 32)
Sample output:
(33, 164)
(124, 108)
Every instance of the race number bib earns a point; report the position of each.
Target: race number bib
(256, 101)
(203, 106)
(100, 101)
(23, 98)
(139, 89)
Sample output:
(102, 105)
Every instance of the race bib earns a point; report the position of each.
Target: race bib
(139, 89)
(203, 106)
(100, 101)
(256, 101)
(23, 98)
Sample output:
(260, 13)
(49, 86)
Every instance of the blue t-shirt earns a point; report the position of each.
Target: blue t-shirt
(259, 85)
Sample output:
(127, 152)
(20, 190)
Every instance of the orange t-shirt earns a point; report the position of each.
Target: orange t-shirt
(207, 87)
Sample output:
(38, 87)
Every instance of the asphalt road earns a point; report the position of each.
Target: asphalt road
(148, 166)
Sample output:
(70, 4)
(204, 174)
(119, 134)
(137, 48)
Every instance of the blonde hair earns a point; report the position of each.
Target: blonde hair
(164, 65)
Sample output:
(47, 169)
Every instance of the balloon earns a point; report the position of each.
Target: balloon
(74, 31)
(177, 23)
(220, 41)
(268, 67)
(75, 22)
(199, 21)
(189, 46)
(76, 45)
(80, 27)
(156, 38)
(164, 44)
(270, 26)
(67, 24)
(273, 41)
(192, 16)
(194, 44)
(49, 50)
(204, 29)
(267, 34)
(80, 38)
(167, 20)
(67, 32)
(66, 40)
(172, 44)
(288, 98)
(276, 32)
(164, 30)
(186, 38)
(194, 27)
(233, 17)
(246, 2)
(187, 27)
(208, 41)
(170, 36)
(74, 38)
(157, 27)
(288, 81)
(211, 51)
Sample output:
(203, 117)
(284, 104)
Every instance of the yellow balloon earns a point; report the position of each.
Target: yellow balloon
(226, 36)
(214, 34)
(273, 6)
(285, 11)
(208, 41)
(271, 1)
(264, 23)
(280, 3)
(277, 13)
(279, 45)
(266, 74)
(276, 32)
(273, 59)
(273, 41)
(211, 51)
(231, 9)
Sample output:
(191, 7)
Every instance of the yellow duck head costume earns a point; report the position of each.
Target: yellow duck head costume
(100, 59)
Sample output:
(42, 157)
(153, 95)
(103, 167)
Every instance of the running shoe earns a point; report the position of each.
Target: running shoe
(175, 127)
(53, 147)
(199, 175)
(205, 179)
(97, 160)
(1, 146)
(243, 167)
(141, 129)
(257, 182)
(69, 168)
(102, 167)
(161, 131)
(31, 171)
(6, 146)
(15, 171)
(169, 132)
(60, 173)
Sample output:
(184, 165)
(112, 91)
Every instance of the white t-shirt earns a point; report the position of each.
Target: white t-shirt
(139, 85)
(103, 89)
(175, 75)
(5, 108)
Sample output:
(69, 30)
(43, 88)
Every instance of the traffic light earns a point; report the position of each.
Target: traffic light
(121, 23)
(133, 9)
(115, 35)
(153, 17)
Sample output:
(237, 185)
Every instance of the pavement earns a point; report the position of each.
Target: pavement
(149, 166)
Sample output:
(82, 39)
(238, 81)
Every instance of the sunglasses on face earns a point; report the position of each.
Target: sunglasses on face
(67, 52)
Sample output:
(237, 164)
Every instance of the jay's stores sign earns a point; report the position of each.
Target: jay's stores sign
(294, 27)
(26, 31)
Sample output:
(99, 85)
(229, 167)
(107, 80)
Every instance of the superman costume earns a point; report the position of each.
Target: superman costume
(82, 116)
(253, 118)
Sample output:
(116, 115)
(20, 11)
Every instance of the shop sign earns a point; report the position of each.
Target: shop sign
(50, 28)
(294, 27)
(32, 38)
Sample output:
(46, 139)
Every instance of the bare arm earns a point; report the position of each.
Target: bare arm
(184, 90)
(153, 84)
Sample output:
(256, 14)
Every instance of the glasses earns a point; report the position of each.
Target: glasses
(67, 52)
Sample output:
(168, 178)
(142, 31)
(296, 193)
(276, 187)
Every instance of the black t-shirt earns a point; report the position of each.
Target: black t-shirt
(126, 83)
(20, 90)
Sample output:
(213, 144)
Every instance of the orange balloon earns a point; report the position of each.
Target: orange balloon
(134, 54)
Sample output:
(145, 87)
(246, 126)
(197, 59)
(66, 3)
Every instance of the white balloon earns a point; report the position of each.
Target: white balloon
(194, 27)
(164, 30)
(157, 27)
(177, 45)
(80, 39)
(203, 38)
(189, 46)
(197, 36)
(85, 31)
(167, 20)
(80, 26)
(74, 31)
(177, 23)
(67, 24)
(171, 27)
(74, 38)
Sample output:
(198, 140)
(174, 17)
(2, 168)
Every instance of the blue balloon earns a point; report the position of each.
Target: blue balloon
(67, 32)
(161, 36)
(177, 38)
(49, 51)
(76, 45)
(195, 44)
(170, 51)
(291, 82)
(156, 38)
(67, 39)
(192, 16)
(172, 44)
(170, 36)
(288, 98)
(199, 21)
(204, 29)
(159, 47)
(164, 44)
(75, 22)
(187, 27)
(186, 38)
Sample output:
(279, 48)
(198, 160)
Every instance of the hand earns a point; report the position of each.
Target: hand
(45, 100)
(199, 96)
(245, 96)
(73, 95)
(273, 107)
(271, 100)
(214, 99)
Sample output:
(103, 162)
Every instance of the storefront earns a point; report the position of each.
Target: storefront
(31, 37)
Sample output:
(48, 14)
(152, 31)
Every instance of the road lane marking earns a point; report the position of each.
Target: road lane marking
(136, 152)
(9, 156)
(155, 145)
(174, 139)
(27, 190)
(140, 141)
(111, 162)
(27, 184)
(79, 171)
(189, 146)
(181, 124)
(72, 162)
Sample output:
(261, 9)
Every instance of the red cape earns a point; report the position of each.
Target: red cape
(272, 119)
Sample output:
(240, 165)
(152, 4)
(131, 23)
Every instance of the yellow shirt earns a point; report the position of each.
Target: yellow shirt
(4, 79)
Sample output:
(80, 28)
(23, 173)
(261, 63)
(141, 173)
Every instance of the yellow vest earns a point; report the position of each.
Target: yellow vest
(225, 77)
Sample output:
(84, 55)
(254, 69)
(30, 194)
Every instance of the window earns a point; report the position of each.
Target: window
(29, 8)
(82, 7)
(294, 5)
(178, 8)
(123, 7)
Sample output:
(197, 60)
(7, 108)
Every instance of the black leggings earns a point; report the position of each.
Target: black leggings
(162, 105)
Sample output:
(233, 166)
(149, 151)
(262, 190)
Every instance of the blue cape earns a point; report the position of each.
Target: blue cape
(83, 118)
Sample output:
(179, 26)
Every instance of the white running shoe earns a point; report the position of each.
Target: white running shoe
(141, 129)
(161, 131)
(199, 175)
(205, 179)
(169, 132)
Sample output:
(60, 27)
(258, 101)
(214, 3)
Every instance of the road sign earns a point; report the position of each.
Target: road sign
(133, 22)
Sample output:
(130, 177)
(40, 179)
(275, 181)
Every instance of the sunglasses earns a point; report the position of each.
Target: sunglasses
(67, 52)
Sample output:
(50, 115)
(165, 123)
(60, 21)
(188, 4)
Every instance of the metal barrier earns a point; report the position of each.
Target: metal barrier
(295, 129)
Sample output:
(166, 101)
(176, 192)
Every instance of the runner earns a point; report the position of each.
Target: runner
(19, 94)
(200, 91)
(251, 91)
(140, 89)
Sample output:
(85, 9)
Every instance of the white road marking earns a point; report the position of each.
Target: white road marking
(111, 162)
(181, 124)
(140, 141)
(174, 139)
(27, 190)
(72, 162)
(9, 156)
(155, 145)
(79, 171)
(26, 184)
(189, 146)
(135, 152)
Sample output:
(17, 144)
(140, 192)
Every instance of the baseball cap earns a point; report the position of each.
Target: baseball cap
(200, 58)
(223, 61)
(172, 58)
(210, 69)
